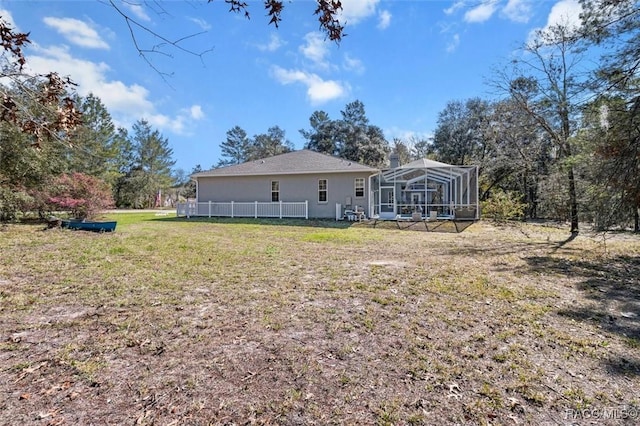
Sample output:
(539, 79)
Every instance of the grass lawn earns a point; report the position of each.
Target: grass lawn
(193, 322)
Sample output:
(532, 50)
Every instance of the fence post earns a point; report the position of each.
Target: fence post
(209, 209)
(255, 211)
(306, 209)
(232, 209)
(280, 209)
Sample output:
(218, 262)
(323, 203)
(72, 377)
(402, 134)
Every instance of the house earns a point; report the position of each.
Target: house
(295, 184)
(309, 184)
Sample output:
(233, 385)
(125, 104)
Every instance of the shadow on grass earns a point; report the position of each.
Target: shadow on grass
(563, 243)
(622, 367)
(501, 248)
(611, 283)
(318, 223)
(439, 226)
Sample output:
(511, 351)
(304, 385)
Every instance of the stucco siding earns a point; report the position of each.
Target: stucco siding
(303, 187)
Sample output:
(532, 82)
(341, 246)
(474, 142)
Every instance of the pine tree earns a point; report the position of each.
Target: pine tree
(236, 148)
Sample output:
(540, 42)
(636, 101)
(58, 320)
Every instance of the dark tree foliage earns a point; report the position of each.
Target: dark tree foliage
(612, 135)
(351, 137)
(323, 134)
(547, 84)
(421, 147)
(326, 10)
(25, 170)
(616, 26)
(37, 115)
(236, 148)
(402, 150)
(190, 186)
(518, 155)
(94, 148)
(149, 169)
(264, 145)
(459, 137)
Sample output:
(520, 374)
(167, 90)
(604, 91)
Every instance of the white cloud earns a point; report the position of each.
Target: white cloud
(517, 10)
(565, 13)
(454, 7)
(482, 12)
(176, 124)
(315, 49)
(454, 43)
(126, 103)
(318, 90)
(353, 64)
(407, 136)
(354, 11)
(77, 32)
(137, 10)
(478, 11)
(204, 25)
(8, 18)
(196, 112)
(274, 44)
(91, 77)
(384, 19)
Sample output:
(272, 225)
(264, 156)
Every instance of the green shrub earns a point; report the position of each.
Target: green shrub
(502, 206)
(12, 202)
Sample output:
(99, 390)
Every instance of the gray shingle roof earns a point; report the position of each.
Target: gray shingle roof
(295, 162)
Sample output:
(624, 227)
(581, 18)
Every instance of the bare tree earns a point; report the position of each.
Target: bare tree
(548, 84)
(327, 12)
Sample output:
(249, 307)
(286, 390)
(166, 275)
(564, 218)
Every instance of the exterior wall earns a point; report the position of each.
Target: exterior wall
(292, 188)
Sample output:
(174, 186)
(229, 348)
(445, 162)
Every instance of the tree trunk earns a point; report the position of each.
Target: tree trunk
(573, 201)
(533, 201)
(636, 220)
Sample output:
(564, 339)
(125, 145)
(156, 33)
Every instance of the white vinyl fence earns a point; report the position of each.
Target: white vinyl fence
(253, 209)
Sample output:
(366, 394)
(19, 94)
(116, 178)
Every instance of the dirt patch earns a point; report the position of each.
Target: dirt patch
(390, 263)
(240, 324)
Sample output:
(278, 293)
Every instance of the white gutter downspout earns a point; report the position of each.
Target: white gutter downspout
(370, 191)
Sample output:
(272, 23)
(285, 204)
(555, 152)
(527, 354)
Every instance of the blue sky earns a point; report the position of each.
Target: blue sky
(404, 59)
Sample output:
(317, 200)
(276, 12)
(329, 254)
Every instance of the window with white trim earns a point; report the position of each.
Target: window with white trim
(359, 187)
(322, 191)
(275, 191)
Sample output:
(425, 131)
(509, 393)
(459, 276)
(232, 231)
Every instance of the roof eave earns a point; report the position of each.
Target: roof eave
(312, 172)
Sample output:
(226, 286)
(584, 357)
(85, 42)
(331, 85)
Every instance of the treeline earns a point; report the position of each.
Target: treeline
(560, 141)
(350, 137)
(97, 161)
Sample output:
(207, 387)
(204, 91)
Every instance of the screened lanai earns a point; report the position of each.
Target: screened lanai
(430, 188)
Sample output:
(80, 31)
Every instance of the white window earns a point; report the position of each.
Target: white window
(359, 187)
(322, 191)
(275, 191)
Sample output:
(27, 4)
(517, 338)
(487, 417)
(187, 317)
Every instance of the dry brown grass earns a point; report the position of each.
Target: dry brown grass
(172, 321)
